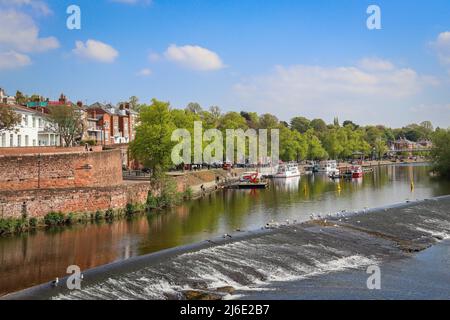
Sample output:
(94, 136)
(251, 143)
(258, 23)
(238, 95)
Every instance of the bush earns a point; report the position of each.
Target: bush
(54, 219)
(98, 216)
(188, 193)
(71, 218)
(6, 226)
(33, 223)
(109, 214)
(441, 152)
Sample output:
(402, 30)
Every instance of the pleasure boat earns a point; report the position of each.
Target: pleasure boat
(287, 171)
(329, 167)
(357, 172)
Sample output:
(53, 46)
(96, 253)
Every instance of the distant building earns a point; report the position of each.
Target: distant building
(5, 99)
(33, 131)
(110, 124)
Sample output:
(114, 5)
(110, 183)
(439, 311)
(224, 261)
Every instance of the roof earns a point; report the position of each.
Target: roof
(23, 109)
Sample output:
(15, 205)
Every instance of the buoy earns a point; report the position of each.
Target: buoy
(412, 185)
(55, 282)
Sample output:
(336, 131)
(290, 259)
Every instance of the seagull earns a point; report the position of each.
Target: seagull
(226, 235)
(55, 282)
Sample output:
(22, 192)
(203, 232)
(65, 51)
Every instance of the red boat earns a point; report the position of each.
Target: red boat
(357, 172)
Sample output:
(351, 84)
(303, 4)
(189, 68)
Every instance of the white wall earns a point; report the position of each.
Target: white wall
(27, 134)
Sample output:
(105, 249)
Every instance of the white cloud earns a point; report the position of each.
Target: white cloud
(36, 5)
(375, 64)
(194, 57)
(13, 60)
(96, 50)
(350, 91)
(145, 72)
(18, 31)
(442, 47)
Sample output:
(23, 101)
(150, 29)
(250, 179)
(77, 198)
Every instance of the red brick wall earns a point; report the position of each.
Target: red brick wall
(61, 170)
(81, 200)
(40, 150)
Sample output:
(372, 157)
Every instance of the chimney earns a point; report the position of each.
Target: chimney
(79, 104)
(62, 99)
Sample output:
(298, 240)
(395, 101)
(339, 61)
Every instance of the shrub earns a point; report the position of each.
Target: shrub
(109, 214)
(33, 222)
(98, 216)
(54, 219)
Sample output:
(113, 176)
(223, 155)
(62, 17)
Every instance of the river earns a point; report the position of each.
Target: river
(38, 257)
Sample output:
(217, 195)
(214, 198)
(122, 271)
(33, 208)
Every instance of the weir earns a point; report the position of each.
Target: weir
(251, 261)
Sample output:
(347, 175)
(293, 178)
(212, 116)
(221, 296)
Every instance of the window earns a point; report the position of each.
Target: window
(34, 122)
(11, 140)
(34, 142)
(40, 123)
(26, 141)
(19, 140)
(4, 140)
(25, 120)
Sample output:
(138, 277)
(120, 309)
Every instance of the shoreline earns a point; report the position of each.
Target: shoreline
(373, 228)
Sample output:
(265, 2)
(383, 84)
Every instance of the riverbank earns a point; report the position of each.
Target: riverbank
(252, 261)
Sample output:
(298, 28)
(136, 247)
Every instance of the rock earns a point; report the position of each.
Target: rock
(228, 289)
(200, 295)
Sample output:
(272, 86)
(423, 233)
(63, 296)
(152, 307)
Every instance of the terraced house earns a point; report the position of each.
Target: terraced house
(33, 131)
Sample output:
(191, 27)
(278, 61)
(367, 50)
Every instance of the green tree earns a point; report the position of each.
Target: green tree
(21, 98)
(441, 152)
(380, 148)
(68, 122)
(315, 149)
(9, 119)
(153, 145)
(332, 144)
(134, 103)
(300, 124)
(194, 107)
(319, 126)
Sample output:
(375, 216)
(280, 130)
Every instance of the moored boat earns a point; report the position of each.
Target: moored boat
(287, 171)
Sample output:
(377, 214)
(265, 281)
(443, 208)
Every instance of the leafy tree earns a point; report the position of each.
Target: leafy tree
(134, 103)
(315, 149)
(268, 121)
(300, 124)
(21, 98)
(9, 119)
(319, 126)
(441, 152)
(68, 122)
(350, 123)
(332, 144)
(380, 148)
(194, 107)
(233, 120)
(153, 145)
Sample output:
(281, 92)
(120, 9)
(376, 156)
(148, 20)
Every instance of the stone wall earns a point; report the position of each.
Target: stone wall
(37, 203)
(60, 170)
(42, 150)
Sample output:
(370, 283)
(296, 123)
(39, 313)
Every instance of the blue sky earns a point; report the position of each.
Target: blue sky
(286, 57)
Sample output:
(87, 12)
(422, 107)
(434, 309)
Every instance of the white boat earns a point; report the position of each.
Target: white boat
(329, 167)
(287, 171)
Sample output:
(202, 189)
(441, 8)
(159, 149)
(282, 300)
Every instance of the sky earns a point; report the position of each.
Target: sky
(316, 59)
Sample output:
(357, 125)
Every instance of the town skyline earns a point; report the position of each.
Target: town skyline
(326, 67)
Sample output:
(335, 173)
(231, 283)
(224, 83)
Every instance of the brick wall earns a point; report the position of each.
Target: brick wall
(38, 203)
(61, 170)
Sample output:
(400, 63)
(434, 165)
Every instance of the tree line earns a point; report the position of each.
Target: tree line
(300, 139)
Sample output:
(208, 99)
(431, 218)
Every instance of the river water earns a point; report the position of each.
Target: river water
(35, 258)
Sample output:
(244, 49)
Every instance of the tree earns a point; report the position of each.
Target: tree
(427, 125)
(350, 123)
(315, 149)
(332, 144)
(68, 122)
(152, 145)
(380, 148)
(319, 126)
(134, 103)
(441, 152)
(268, 121)
(21, 98)
(9, 119)
(194, 107)
(300, 124)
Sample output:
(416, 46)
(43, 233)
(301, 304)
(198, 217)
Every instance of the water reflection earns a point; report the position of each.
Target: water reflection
(39, 257)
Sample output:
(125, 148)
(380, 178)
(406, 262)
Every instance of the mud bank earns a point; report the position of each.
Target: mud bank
(248, 262)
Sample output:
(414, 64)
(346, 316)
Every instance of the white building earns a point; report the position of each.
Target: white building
(34, 131)
(6, 99)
